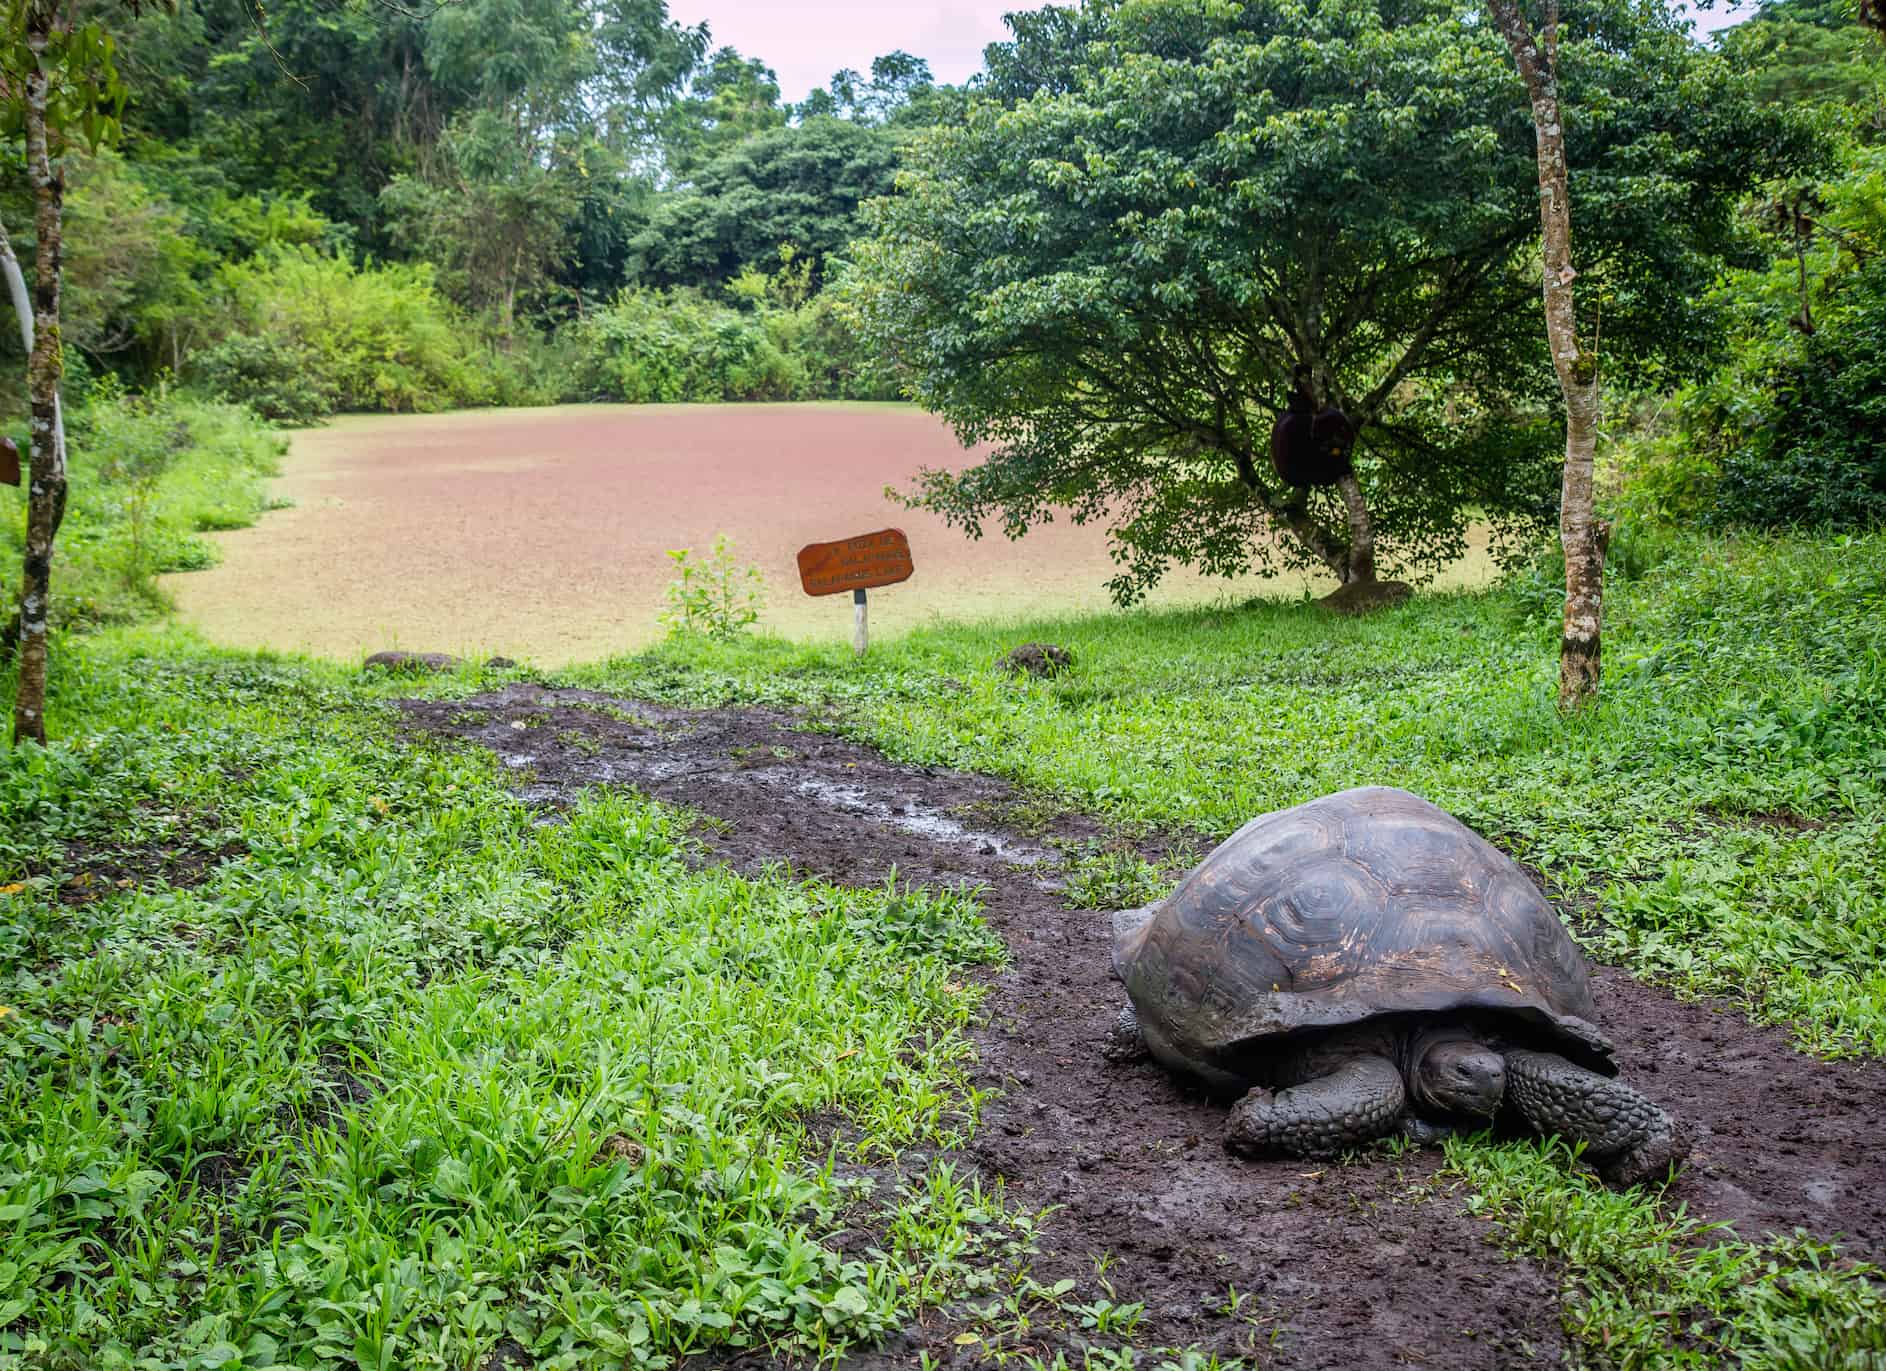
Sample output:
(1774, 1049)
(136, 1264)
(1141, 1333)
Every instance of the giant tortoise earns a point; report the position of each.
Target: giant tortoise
(1365, 963)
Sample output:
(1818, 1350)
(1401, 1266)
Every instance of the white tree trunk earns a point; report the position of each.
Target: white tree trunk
(1582, 535)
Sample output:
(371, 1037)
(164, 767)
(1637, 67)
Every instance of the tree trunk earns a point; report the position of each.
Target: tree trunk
(46, 492)
(1361, 562)
(1581, 533)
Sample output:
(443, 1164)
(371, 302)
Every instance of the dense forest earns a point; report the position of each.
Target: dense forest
(331, 206)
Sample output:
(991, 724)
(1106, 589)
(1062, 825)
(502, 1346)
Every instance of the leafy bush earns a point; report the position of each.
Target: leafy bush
(655, 346)
(275, 376)
(668, 346)
(1820, 459)
(1793, 430)
(371, 338)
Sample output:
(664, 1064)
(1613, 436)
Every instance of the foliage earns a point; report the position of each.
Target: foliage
(1811, 51)
(1110, 269)
(662, 346)
(1644, 1279)
(434, 1074)
(899, 91)
(276, 376)
(493, 217)
(800, 185)
(149, 474)
(729, 100)
(375, 87)
(1793, 430)
(372, 338)
(652, 346)
(713, 595)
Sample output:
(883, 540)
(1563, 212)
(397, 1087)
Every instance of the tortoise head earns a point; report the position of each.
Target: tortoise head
(1452, 1074)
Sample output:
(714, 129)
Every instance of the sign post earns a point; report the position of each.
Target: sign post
(856, 564)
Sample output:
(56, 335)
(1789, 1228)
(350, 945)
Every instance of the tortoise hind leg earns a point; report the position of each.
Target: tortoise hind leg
(1628, 1138)
(1357, 1102)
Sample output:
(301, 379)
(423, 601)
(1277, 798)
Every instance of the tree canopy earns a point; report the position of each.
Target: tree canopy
(1161, 209)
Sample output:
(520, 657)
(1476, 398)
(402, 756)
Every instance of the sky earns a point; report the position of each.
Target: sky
(805, 41)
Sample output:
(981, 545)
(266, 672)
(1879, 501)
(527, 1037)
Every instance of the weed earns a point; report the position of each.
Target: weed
(713, 595)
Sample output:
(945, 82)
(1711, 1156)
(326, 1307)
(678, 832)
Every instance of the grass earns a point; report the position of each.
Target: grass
(148, 476)
(1718, 825)
(1719, 822)
(1650, 1288)
(411, 1074)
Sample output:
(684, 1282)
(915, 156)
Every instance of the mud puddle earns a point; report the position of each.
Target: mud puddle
(1373, 1264)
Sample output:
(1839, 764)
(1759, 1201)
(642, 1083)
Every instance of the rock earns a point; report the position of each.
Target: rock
(410, 661)
(1365, 597)
(499, 664)
(1037, 659)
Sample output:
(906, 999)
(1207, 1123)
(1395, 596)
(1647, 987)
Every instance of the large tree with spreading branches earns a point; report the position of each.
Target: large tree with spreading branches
(1162, 211)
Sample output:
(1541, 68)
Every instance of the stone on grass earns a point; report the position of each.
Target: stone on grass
(1037, 659)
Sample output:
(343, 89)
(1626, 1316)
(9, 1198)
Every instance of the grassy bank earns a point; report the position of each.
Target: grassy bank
(148, 476)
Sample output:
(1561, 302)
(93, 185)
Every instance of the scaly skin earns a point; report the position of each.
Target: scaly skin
(1359, 1101)
(1628, 1138)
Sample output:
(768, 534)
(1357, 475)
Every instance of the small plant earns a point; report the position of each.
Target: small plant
(713, 595)
(140, 439)
(1113, 878)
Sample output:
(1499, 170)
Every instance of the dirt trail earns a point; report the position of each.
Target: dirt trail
(1360, 1266)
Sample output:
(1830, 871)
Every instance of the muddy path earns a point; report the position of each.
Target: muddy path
(1370, 1264)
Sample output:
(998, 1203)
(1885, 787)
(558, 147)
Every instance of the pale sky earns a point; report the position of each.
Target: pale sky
(805, 41)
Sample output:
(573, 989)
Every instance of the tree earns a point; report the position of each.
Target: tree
(1810, 51)
(800, 185)
(1112, 269)
(1582, 535)
(899, 84)
(59, 84)
(731, 99)
(493, 212)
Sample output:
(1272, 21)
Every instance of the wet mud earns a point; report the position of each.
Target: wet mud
(1371, 1264)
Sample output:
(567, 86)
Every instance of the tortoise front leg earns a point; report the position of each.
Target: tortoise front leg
(1628, 1138)
(1356, 1103)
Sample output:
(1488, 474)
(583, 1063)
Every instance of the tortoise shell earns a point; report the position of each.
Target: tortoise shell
(1366, 903)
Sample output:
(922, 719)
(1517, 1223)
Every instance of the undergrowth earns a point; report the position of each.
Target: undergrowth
(412, 1075)
(148, 476)
(1646, 1287)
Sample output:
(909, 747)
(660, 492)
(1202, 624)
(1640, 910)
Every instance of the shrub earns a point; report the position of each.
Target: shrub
(275, 376)
(371, 338)
(1792, 431)
(713, 595)
(1820, 456)
(655, 346)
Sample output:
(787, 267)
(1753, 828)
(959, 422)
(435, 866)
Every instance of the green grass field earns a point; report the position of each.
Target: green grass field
(409, 1076)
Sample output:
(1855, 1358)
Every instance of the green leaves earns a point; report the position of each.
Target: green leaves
(1109, 270)
(84, 95)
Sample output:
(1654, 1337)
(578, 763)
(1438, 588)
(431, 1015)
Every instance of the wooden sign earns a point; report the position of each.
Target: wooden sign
(9, 463)
(861, 563)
